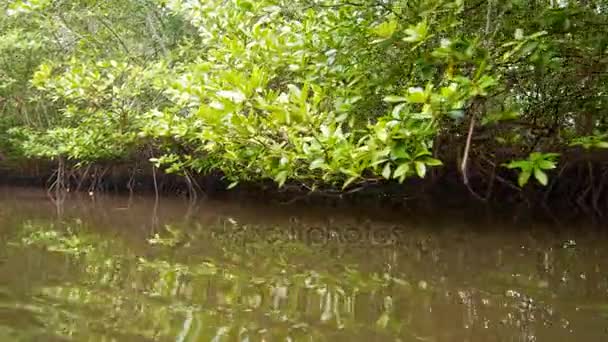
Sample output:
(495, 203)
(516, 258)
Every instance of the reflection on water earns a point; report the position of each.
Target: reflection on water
(110, 270)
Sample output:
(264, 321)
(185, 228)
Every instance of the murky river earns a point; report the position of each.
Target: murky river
(110, 268)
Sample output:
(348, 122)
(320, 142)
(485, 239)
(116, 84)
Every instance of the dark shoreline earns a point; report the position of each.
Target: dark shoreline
(440, 193)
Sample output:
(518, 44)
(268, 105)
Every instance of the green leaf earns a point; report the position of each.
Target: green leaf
(317, 164)
(402, 170)
(422, 153)
(294, 89)
(540, 176)
(382, 133)
(486, 81)
(537, 34)
(234, 96)
(349, 182)
(246, 5)
(500, 116)
(417, 33)
(396, 113)
(280, 178)
(378, 162)
(550, 155)
(432, 161)
(232, 185)
(394, 99)
(399, 152)
(519, 164)
(546, 164)
(386, 29)
(386, 172)
(523, 178)
(420, 168)
(416, 95)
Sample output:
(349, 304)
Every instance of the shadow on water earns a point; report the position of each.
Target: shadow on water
(116, 268)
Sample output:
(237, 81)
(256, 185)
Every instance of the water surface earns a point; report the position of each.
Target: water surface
(109, 268)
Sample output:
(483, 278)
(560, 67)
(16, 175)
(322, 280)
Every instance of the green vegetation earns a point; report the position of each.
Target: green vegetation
(320, 94)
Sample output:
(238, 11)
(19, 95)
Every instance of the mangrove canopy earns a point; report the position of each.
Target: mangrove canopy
(324, 95)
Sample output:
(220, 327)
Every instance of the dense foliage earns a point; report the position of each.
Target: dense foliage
(319, 93)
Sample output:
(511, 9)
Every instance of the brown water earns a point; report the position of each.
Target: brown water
(114, 269)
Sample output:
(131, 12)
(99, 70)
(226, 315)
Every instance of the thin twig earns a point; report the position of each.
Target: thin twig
(488, 17)
(120, 41)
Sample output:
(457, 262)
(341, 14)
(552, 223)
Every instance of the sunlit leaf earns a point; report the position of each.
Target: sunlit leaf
(234, 96)
(386, 29)
(540, 176)
(432, 162)
(416, 95)
(523, 178)
(420, 168)
(546, 164)
(349, 181)
(394, 99)
(281, 177)
(386, 171)
(317, 164)
(416, 33)
(401, 170)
